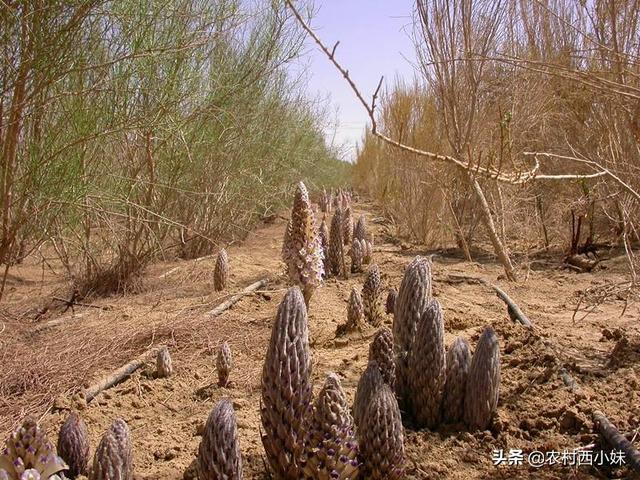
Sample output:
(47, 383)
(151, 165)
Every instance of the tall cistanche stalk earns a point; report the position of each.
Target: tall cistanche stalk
(287, 388)
(302, 251)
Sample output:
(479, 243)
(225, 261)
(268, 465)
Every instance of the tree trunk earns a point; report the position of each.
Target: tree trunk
(10, 148)
(540, 209)
(487, 219)
(459, 235)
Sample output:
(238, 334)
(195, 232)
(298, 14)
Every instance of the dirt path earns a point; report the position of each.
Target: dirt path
(536, 410)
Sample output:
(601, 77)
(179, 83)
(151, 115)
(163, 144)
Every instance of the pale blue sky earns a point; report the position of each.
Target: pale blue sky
(374, 40)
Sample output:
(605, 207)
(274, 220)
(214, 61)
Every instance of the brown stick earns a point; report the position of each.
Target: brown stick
(179, 267)
(617, 440)
(71, 303)
(235, 298)
(569, 381)
(59, 321)
(453, 278)
(120, 374)
(512, 308)
(498, 246)
(166, 274)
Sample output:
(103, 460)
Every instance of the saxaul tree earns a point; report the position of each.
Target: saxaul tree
(162, 169)
(455, 43)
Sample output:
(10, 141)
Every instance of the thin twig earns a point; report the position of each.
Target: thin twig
(71, 303)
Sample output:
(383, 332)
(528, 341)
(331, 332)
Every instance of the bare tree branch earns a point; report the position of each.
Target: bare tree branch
(515, 178)
(602, 170)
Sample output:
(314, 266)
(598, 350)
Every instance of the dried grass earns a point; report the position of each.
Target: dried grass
(124, 276)
(39, 365)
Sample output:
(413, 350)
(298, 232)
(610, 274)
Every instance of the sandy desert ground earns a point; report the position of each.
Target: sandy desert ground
(43, 366)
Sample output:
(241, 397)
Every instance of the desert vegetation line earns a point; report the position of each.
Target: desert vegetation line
(132, 132)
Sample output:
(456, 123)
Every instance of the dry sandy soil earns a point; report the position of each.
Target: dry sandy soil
(43, 367)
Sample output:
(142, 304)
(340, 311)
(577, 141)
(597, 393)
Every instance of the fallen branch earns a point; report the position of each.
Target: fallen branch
(41, 313)
(573, 268)
(235, 298)
(119, 375)
(69, 303)
(517, 315)
(617, 440)
(582, 263)
(452, 278)
(569, 381)
(179, 267)
(59, 321)
(72, 303)
(512, 308)
(166, 274)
